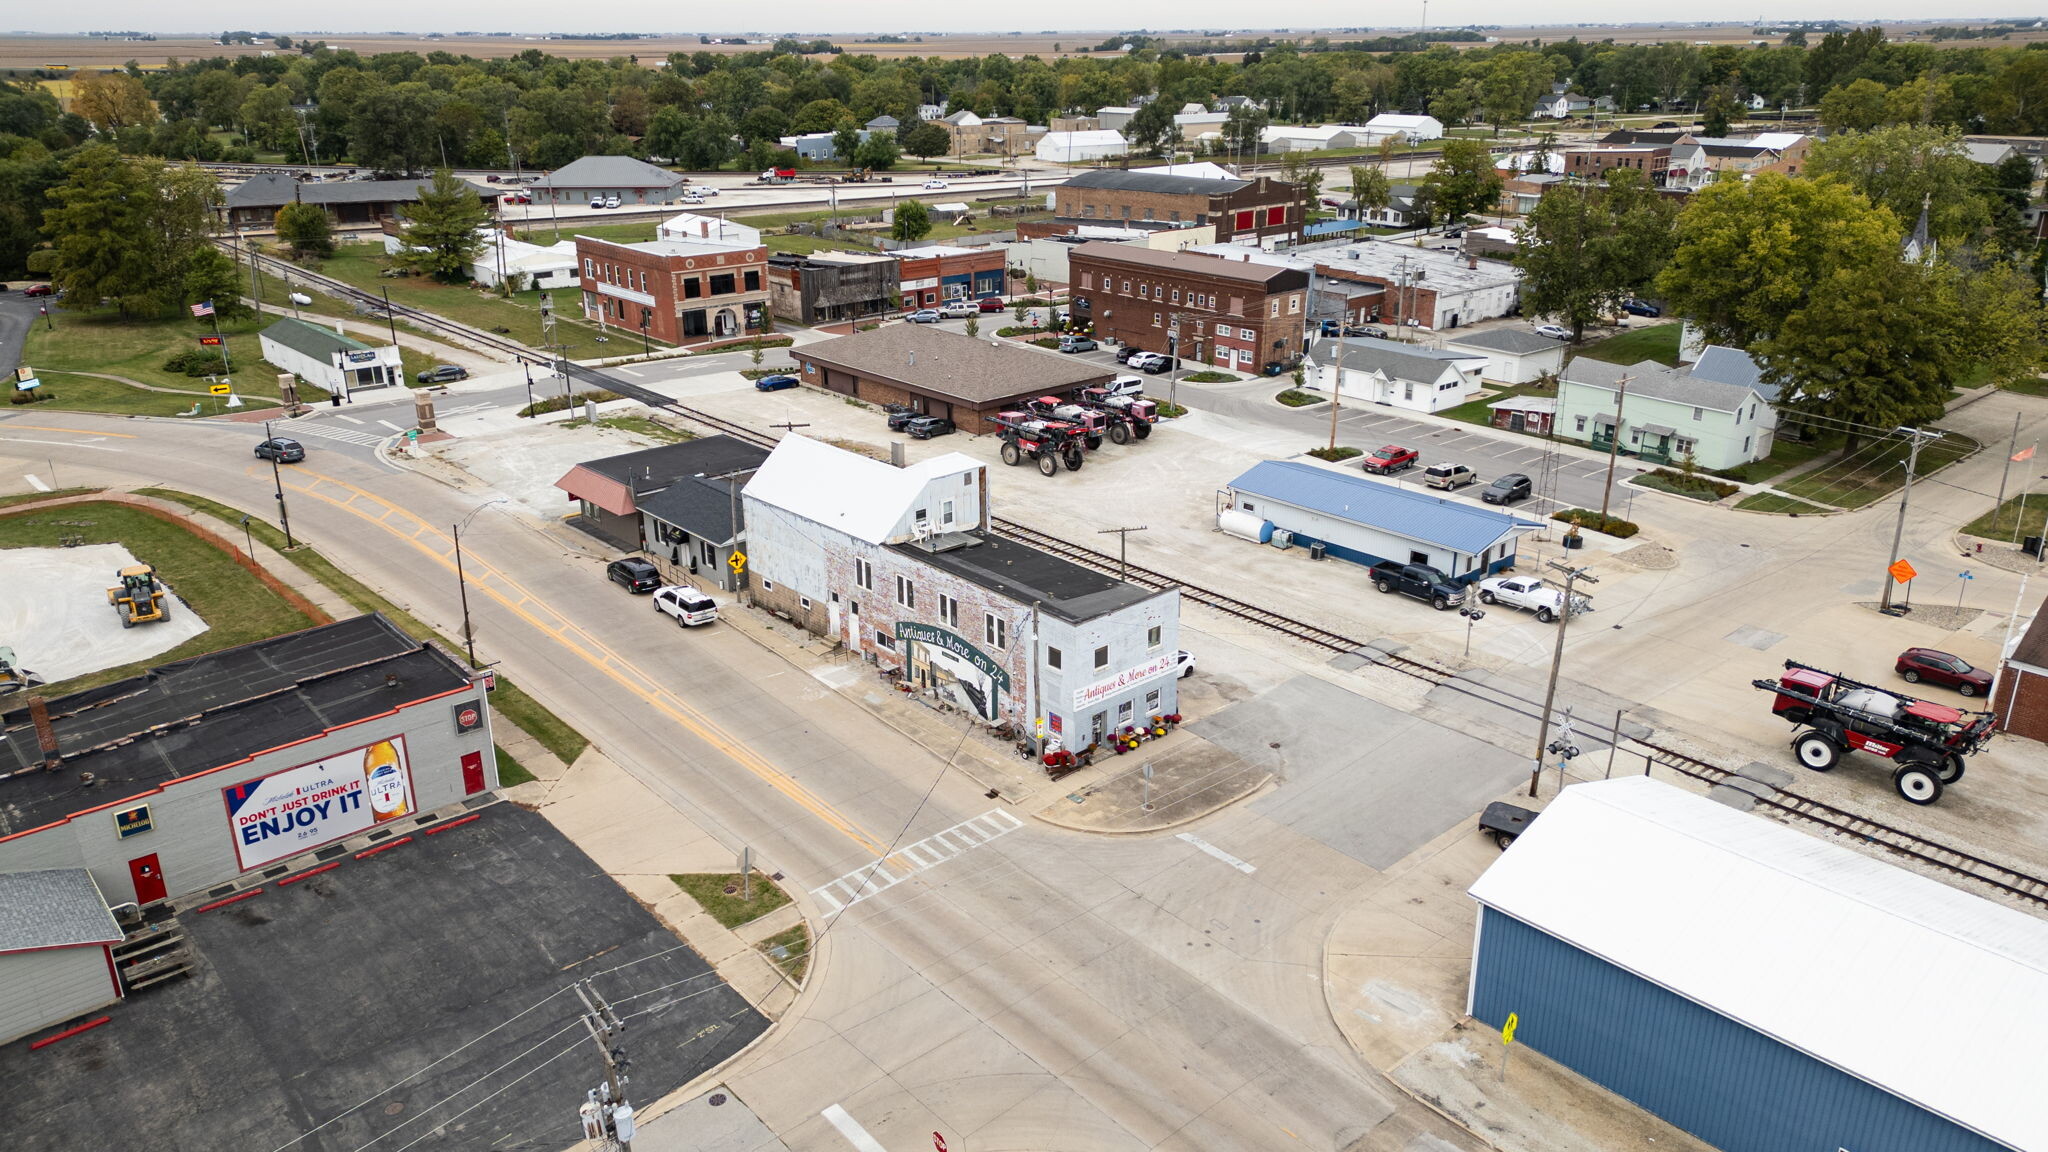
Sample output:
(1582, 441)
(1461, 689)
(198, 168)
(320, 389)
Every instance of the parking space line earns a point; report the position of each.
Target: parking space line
(1218, 853)
(851, 1129)
(35, 482)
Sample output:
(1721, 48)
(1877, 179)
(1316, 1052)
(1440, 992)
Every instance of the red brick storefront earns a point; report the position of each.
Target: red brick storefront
(683, 292)
(1234, 314)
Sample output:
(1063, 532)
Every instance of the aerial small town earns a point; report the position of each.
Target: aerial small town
(1419, 587)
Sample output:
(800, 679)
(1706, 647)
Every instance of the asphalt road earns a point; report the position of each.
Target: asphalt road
(1043, 990)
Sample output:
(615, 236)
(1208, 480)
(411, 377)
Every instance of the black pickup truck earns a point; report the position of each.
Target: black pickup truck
(1420, 581)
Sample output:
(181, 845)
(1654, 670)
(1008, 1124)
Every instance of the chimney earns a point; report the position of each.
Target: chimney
(46, 735)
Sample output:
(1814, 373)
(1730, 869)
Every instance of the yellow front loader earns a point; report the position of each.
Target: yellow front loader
(140, 598)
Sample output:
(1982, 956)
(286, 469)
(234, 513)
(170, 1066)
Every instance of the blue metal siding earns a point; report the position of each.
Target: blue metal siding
(1726, 1083)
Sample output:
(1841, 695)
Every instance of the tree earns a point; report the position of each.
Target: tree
(1151, 129)
(765, 123)
(973, 327)
(1370, 189)
(1587, 248)
(1873, 345)
(126, 231)
(668, 133)
(306, 229)
(926, 140)
(1749, 251)
(912, 221)
(1463, 179)
(1241, 130)
(846, 143)
(1857, 106)
(211, 275)
(1304, 174)
(441, 237)
(111, 100)
(878, 152)
(707, 144)
(1720, 105)
(1905, 167)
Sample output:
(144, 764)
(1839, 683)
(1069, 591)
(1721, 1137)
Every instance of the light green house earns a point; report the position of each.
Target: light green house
(1665, 414)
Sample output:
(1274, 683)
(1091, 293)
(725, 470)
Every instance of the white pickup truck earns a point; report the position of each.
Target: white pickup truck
(1531, 594)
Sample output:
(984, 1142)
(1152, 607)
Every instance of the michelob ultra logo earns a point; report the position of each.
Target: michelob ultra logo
(298, 809)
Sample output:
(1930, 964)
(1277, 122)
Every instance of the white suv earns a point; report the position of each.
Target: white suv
(689, 606)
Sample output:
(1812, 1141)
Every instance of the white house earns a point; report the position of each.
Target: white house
(1399, 375)
(1513, 356)
(325, 357)
(1415, 128)
(1073, 147)
(697, 228)
(538, 266)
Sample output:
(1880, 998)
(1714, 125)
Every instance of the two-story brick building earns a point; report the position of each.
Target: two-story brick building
(935, 273)
(899, 565)
(1233, 313)
(827, 286)
(1243, 211)
(681, 289)
(1594, 163)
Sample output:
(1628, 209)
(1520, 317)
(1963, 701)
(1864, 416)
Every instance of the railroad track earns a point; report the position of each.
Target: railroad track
(418, 317)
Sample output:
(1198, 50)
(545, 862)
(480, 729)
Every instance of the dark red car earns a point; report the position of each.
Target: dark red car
(991, 304)
(1391, 458)
(1918, 664)
(36, 290)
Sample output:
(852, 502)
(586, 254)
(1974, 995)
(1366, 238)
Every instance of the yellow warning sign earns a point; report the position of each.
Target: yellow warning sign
(1902, 571)
(220, 389)
(738, 563)
(1507, 1030)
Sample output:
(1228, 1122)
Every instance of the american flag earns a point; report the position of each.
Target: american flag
(205, 309)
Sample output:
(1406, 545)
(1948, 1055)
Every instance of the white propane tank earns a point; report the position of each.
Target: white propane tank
(1245, 525)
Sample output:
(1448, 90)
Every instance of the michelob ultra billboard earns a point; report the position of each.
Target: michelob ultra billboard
(298, 809)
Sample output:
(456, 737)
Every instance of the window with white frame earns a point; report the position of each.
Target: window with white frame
(864, 574)
(1102, 657)
(946, 512)
(949, 611)
(906, 592)
(1696, 413)
(1155, 319)
(1152, 635)
(883, 639)
(1052, 657)
(996, 631)
(1123, 712)
(1152, 702)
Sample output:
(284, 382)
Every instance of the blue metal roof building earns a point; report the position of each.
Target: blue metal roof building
(1366, 520)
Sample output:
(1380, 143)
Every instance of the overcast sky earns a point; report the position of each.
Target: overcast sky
(824, 16)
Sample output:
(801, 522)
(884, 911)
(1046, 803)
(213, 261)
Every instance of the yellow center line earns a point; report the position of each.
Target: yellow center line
(510, 594)
(9, 425)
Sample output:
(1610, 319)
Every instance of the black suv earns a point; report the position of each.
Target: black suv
(282, 450)
(900, 415)
(1507, 489)
(926, 427)
(633, 574)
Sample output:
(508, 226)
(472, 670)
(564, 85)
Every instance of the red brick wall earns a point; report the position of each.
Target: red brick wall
(664, 277)
(1128, 317)
(2029, 716)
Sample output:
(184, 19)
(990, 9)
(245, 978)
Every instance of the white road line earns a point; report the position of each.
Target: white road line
(851, 1129)
(1218, 853)
(390, 425)
(35, 482)
(630, 372)
(881, 875)
(350, 419)
(58, 443)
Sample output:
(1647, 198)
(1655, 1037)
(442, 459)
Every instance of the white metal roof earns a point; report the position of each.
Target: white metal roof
(844, 490)
(1931, 993)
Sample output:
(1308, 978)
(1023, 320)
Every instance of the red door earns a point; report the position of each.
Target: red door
(148, 877)
(472, 773)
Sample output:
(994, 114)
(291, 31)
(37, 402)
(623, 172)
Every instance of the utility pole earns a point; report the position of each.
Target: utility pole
(606, 1114)
(2012, 451)
(462, 583)
(1564, 617)
(255, 280)
(1905, 498)
(1613, 446)
(284, 516)
(1337, 386)
(1123, 542)
(390, 319)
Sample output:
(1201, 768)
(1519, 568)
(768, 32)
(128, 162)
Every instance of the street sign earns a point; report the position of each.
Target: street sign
(1507, 1030)
(1966, 574)
(1902, 571)
(738, 563)
(938, 1143)
(211, 341)
(220, 389)
(412, 435)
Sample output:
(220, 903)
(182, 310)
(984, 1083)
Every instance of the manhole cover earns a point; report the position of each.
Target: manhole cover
(394, 1108)
(731, 888)
(717, 1098)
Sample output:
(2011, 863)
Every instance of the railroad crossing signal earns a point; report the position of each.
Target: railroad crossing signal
(738, 563)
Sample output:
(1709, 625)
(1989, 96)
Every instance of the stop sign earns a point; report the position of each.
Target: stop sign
(938, 1143)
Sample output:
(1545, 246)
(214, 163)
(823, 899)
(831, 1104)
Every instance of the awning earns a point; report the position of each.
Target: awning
(1659, 430)
(1604, 418)
(584, 484)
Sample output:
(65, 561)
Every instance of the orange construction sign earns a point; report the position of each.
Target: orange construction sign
(1902, 571)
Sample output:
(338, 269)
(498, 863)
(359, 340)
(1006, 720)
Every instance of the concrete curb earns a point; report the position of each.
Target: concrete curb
(1242, 794)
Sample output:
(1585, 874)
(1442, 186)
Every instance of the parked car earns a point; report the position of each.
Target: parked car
(706, 189)
(692, 198)
(1530, 594)
(518, 197)
(611, 201)
(633, 574)
(597, 201)
(1554, 331)
(689, 606)
(1077, 344)
(1125, 386)
(443, 373)
(1420, 581)
(1184, 660)
(935, 184)
(1391, 458)
(899, 415)
(926, 427)
(1124, 353)
(991, 304)
(925, 316)
(37, 290)
(775, 383)
(1636, 307)
(1449, 477)
(1917, 664)
(1507, 489)
(959, 309)
(282, 450)
(493, 178)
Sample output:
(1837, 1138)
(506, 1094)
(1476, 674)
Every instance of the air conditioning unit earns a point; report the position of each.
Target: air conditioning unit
(1282, 538)
(1315, 550)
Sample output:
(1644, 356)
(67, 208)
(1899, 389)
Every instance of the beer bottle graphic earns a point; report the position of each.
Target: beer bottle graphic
(384, 778)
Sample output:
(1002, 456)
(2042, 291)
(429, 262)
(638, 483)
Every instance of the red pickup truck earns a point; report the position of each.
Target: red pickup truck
(1391, 458)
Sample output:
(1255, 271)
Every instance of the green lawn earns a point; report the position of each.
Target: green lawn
(237, 607)
(1477, 412)
(359, 265)
(136, 349)
(1781, 505)
(2019, 516)
(32, 497)
(2031, 386)
(1296, 398)
(1676, 485)
(619, 233)
(1870, 473)
(1786, 454)
(536, 721)
(1657, 342)
(709, 890)
(511, 772)
(789, 950)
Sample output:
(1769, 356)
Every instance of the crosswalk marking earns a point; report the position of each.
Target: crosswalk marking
(350, 419)
(345, 435)
(881, 875)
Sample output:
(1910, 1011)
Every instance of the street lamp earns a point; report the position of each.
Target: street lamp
(462, 584)
(284, 515)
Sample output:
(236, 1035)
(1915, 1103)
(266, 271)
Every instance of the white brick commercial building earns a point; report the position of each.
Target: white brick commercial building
(899, 566)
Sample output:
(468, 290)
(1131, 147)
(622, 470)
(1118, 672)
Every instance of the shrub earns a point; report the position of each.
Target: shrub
(1613, 526)
(1689, 485)
(1168, 410)
(557, 403)
(1208, 378)
(1296, 398)
(1333, 455)
(195, 362)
